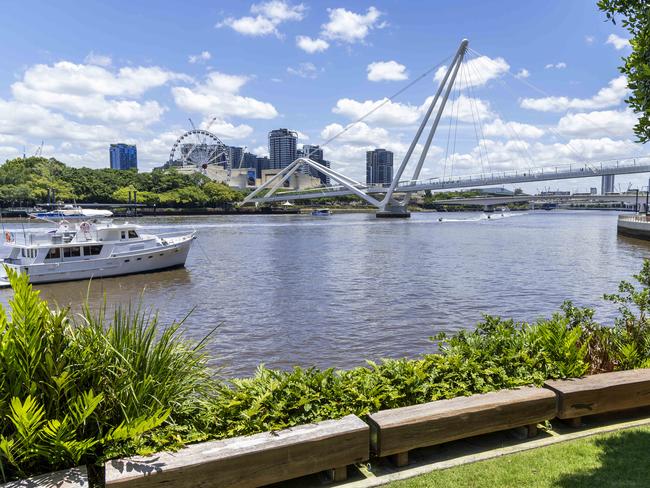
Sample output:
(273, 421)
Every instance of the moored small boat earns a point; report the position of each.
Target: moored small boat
(321, 213)
(71, 212)
(77, 251)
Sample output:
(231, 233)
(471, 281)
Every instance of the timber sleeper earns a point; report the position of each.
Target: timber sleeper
(396, 431)
(250, 461)
(600, 393)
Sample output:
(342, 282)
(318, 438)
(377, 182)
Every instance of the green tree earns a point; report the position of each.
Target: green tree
(635, 17)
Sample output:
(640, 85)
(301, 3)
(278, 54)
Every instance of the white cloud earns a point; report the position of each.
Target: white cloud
(511, 154)
(522, 74)
(279, 10)
(98, 59)
(261, 151)
(617, 41)
(82, 79)
(93, 106)
(613, 123)
(589, 40)
(310, 45)
(350, 27)
(94, 92)
(224, 82)
(515, 130)
(560, 65)
(304, 70)
(268, 16)
(466, 109)
(31, 120)
(199, 58)
(391, 113)
(218, 97)
(479, 71)
(610, 96)
(387, 70)
(360, 133)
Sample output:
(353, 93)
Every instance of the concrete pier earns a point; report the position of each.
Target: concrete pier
(634, 226)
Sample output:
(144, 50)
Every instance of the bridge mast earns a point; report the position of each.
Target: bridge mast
(388, 206)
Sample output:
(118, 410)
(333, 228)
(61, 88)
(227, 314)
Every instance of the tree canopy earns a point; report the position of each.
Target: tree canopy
(635, 17)
(27, 181)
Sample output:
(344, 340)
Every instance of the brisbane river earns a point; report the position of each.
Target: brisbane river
(335, 291)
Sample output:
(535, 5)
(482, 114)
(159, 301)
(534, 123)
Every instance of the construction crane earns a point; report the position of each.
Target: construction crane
(39, 151)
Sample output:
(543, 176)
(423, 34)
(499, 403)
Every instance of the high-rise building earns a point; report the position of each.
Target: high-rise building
(235, 155)
(282, 148)
(315, 153)
(262, 163)
(123, 156)
(379, 167)
(250, 160)
(607, 184)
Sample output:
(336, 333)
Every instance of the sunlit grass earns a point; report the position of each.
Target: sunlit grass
(617, 459)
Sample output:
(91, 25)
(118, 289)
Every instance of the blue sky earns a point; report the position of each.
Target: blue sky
(79, 76)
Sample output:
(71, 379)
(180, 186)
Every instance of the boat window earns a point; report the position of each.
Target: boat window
(53, 253)
(123, 234)
(23, 252)
(71, 252)
(92, 250)
(133, 234)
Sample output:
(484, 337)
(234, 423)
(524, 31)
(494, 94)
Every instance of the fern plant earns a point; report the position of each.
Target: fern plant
(72, 392)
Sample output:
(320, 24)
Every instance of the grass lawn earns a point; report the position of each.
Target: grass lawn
(620, 459)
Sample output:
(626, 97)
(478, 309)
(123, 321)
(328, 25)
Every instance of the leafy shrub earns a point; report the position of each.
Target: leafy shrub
(70, 393)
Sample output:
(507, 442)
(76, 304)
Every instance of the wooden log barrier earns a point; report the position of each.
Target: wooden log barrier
(250, 461)
(395, 432)
(600, 393)
(69, 478)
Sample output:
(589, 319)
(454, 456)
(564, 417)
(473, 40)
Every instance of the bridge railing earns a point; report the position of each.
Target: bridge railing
(594, 169)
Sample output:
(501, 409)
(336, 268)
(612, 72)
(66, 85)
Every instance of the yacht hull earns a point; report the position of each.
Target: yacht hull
(172, 255)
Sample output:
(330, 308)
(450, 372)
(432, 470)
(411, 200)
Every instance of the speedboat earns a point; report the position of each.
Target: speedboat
(70, 212)
(321, 213)
(84, 250)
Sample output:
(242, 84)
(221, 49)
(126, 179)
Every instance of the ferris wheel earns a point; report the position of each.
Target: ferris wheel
(199, 147)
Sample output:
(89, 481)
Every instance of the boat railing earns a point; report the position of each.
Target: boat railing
(53, 238)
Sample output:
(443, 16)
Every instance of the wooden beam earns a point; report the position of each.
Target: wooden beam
(399, 430)
(601, 393)
(248, 461)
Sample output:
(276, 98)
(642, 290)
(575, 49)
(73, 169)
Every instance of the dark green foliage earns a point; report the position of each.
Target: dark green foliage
(71, 393)
(27, 181)
(635, 16)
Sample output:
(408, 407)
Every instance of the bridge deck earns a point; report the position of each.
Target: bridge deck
(477, 181)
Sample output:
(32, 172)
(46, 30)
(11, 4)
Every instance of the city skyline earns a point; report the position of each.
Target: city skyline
(260, 65)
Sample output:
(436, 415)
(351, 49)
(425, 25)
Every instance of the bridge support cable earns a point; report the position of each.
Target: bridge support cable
(350, 184)
(451, 71)
(425, 150)
(579, 156)
(522, 145)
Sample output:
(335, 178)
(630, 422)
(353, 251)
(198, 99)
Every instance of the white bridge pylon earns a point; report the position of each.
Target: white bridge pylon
(388, 206)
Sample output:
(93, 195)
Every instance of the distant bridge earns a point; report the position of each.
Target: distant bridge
(626, 198)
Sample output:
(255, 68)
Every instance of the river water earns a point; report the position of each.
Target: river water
(334, 291)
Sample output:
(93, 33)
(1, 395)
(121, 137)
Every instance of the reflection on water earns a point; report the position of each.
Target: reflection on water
(334, 291)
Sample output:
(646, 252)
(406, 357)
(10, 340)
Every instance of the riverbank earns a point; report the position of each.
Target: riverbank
(128, 386)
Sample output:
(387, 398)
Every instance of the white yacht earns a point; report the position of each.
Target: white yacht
(69, 212)
(92, 250)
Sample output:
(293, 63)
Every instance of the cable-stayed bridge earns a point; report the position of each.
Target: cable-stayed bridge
(628, 166)
(385, 197)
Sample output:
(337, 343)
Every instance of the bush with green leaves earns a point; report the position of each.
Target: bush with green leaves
(70, 393)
